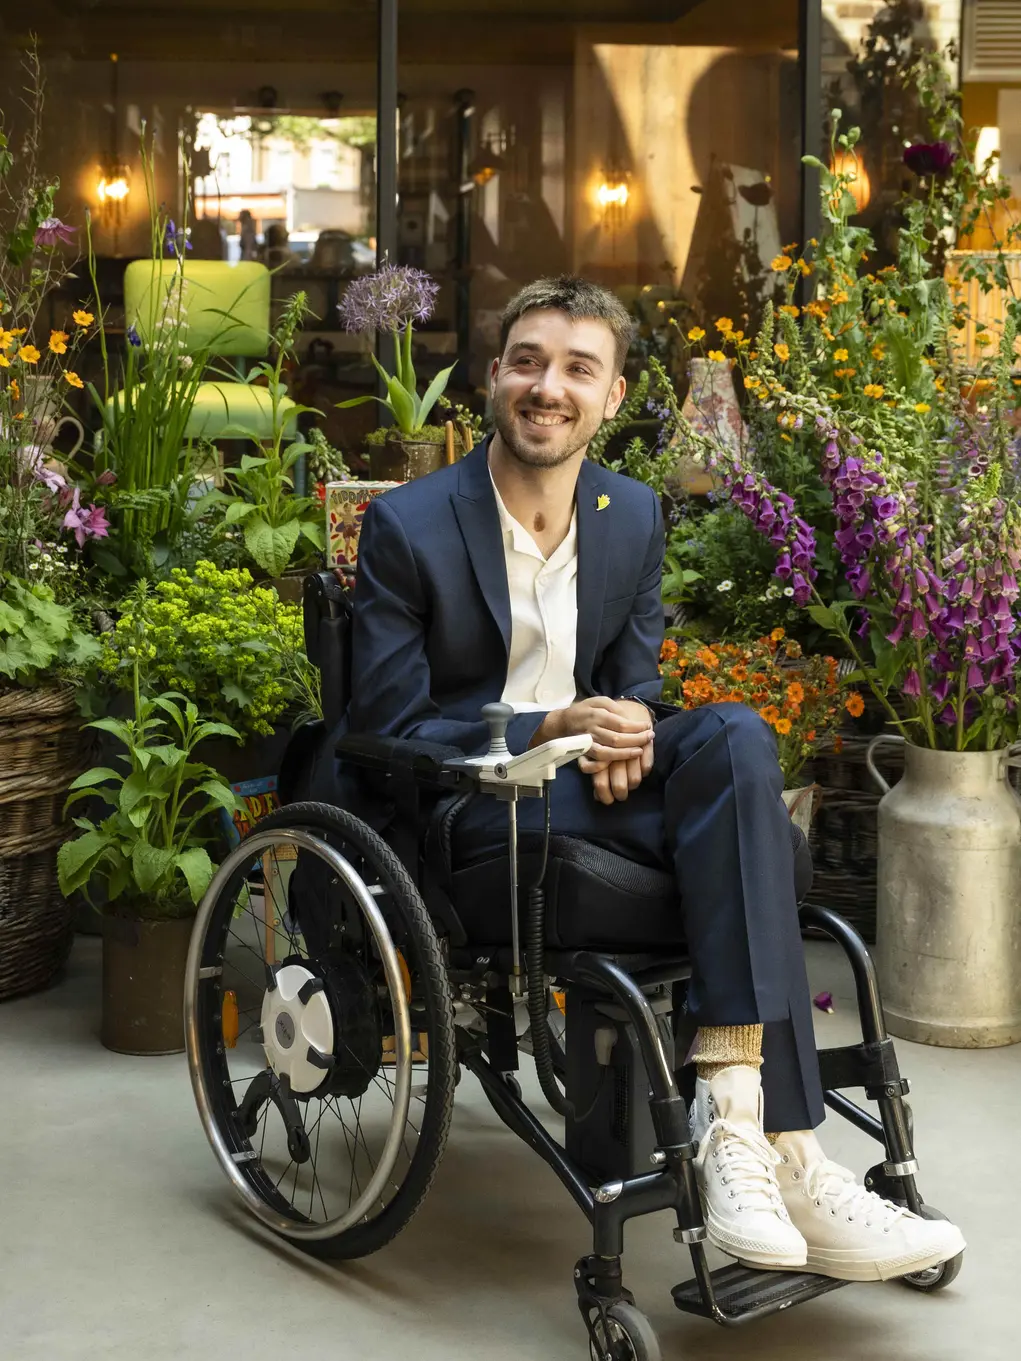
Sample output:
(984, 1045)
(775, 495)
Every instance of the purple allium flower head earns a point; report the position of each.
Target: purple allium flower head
(51, 231)
(929, 158)
(387, 300)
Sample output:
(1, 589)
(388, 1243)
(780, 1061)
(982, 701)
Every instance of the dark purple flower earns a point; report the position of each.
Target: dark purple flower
(824, 1001)
(929, 158)
(133, 337)
(394, 296)
(51, 231)
(912, 685)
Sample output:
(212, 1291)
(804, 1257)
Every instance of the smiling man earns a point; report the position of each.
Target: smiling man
(529, 574)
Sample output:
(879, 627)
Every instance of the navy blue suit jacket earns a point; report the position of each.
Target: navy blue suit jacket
(432, 617)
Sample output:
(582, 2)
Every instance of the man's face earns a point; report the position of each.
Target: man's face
(554, 386)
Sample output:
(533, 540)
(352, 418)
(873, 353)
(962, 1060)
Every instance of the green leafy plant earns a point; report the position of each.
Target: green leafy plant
(233, 648)
(40, 640)
(145, 467)
(263, 501)
(150, 851)
(391, 300)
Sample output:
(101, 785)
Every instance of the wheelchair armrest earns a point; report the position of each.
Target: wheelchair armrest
(423, 761)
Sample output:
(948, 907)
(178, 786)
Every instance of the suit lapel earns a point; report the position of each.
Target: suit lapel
(475, 508)
(594, 525)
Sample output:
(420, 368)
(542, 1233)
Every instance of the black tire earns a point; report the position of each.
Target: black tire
(632, 1336)
(415, 937)
(936, 1277)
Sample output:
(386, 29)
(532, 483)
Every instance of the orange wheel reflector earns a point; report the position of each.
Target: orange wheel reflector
(561, 1000)
(229, 1019)
(405, 975)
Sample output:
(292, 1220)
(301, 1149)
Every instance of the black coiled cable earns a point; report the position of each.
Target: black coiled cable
(535, 978)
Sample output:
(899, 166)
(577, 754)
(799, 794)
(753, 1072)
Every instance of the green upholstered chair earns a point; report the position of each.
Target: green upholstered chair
(227, 308)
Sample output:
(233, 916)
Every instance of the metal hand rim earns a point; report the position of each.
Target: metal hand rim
(248, 850)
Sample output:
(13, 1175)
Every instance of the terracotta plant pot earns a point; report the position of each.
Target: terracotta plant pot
(401, 459)
(143, 984)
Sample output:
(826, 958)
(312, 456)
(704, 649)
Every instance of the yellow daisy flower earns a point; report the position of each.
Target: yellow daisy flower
(58, 342)
(789, 309)
(873, 390)
(718, 356)
(82, 318)
(780, 263)
(839, 355)
(922, 408)
(724, 324)
(782, 351)
(28, 354)
(696, 333)
(72, 378)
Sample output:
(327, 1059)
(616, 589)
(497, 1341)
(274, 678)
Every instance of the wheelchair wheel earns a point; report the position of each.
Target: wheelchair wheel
(319, 1029)
(935, 1277)
(627, 1335)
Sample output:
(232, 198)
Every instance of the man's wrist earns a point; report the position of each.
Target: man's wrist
(550, 728)
(637, 699)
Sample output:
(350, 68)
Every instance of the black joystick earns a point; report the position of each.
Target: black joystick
(497, 717)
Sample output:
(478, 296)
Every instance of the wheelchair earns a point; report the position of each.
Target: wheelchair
(344, 970)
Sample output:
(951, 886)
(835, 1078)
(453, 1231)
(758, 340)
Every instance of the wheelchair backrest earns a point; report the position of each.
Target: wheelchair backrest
(327, 601)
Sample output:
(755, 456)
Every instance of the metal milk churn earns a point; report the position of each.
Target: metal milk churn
(948, 912)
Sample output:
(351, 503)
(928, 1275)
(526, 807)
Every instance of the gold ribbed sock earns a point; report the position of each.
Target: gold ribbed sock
(723, 1046)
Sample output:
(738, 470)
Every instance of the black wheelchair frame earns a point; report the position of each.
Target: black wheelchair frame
(643, 988)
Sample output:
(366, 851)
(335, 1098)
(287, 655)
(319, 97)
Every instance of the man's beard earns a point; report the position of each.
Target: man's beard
(550, 453)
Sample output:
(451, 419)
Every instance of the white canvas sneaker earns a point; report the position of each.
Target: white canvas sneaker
(737, 1173)
(853, 1234)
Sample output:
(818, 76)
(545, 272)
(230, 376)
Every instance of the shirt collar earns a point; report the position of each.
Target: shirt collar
(517, 536)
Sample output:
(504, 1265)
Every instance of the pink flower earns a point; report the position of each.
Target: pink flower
(51, 231)
(90, 520)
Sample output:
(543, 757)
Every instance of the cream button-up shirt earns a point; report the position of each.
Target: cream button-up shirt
(544, 617)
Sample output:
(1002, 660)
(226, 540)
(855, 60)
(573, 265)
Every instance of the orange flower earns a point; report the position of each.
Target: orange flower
(708, 658)
(83, 318)
(776, 636)
(669, 650)
(58, 342)
(855, 705)
(810, 735)
(838, 745)
(739, 673)
(15, 390)
(783, 726)
(771, 714)
(796, 692)
(28, 354)
(71, 377)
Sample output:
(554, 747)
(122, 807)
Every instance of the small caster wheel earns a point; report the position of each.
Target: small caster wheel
(934, 1277)
(627, 1335)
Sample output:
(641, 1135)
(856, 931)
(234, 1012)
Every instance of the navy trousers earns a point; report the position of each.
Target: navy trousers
(712, 813)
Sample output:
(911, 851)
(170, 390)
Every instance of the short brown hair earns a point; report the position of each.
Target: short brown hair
(580, 299)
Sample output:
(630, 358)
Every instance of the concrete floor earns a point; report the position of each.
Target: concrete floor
(120, 1239)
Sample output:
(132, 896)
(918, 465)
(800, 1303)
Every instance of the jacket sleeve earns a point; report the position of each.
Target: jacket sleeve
(390, 679)
(630, 665)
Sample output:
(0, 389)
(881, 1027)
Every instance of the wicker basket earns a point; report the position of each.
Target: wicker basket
(41, 752)
(843, 839)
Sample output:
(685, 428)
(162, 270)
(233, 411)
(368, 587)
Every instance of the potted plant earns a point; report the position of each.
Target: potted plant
(801, 698)
(150, 859)
(233, 648)
(45, 638)
(925, 496)
(275, 521)
(393, 299)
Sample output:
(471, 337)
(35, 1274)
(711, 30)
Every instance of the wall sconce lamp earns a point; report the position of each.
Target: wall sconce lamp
(613, 193)
(114, 183)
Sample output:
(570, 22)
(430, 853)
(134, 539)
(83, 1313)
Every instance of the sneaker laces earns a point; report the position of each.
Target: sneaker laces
(836, 1186)
(748, 1160)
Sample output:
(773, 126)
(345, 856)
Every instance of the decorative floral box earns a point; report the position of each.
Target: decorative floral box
(346, 503)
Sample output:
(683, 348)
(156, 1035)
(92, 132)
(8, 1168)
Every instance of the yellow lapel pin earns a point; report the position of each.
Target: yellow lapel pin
(602, 502)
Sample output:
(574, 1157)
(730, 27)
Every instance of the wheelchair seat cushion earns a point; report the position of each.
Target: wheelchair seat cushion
(594, 899)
